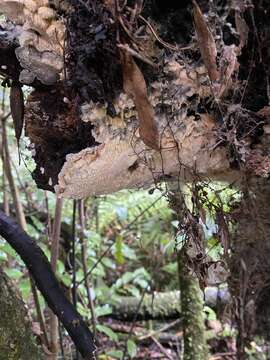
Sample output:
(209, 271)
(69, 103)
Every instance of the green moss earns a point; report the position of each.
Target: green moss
(195, 347)
(16, 338)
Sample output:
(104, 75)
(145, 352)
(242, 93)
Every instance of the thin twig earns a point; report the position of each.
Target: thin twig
(74, 288)
(219, 355)
(44, 336)
(161, 348)
(134, 53)
(164, 328)
(111, 245)
(133, 323)
(164, 43)
(91, 305)
(54, 257)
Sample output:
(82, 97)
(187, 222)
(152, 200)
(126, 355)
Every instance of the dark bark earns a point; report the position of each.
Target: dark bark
(249, 264)
(9, 64)
(48, 285)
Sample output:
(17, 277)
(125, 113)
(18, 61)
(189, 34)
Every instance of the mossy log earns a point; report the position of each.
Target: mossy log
(17, 341)
(163, 305)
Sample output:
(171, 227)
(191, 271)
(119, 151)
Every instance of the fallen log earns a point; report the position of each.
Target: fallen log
(164, 305)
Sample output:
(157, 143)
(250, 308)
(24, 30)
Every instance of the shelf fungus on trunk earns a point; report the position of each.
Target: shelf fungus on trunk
(120, 102)
(40, 36)
(101, 154)
(122, 160)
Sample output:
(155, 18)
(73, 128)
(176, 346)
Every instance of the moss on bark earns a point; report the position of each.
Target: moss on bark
(191, 301)
(16, 338)
(195, 347)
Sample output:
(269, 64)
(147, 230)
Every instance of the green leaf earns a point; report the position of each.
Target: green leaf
(25, 289)
(99, 271)
(103, 310)
(116, 354)
(170, 268)
(66, 279)
(14, 274)
(84, 311)
(132, 348)
(210, 313)
(7, 249)
(109, 263)
(3, 256)
(121, 212)
(107, 331)
(119, 257)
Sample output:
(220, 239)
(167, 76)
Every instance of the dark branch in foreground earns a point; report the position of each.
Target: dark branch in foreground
(40, 269)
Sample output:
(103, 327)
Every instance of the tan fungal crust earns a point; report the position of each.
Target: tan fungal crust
(115, 165)
(184, 141)
(124, 161)
(41, 37)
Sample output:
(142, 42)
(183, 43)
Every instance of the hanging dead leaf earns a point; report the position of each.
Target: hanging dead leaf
(202, 213)
(206, 42)
(228, 65)
(223, 231)
(17, 109)
(134, 85)
(217, 273)
(242, 29)
(265, 112)
(36, 329)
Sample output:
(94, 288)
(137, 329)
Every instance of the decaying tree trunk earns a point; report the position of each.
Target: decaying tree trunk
(165, 305)
(249, 263)
(16, 337)
(127, 95)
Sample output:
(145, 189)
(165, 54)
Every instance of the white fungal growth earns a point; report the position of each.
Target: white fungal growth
(40, 30)
(123, 161)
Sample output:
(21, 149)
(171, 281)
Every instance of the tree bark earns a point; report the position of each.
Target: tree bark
(249, 263)
(195, 347)
(16, 338)
(191, 300)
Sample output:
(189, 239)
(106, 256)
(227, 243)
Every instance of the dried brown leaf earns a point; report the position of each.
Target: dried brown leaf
(36, 329)
(228, 65)
(17, 109)
(134, 84)
(242, 29)
(217, 274)
(206, 42)
(202, 213)
(265, 112)
(223, 231)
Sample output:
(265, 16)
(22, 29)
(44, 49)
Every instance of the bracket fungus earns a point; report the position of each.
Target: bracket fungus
(119, 102)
